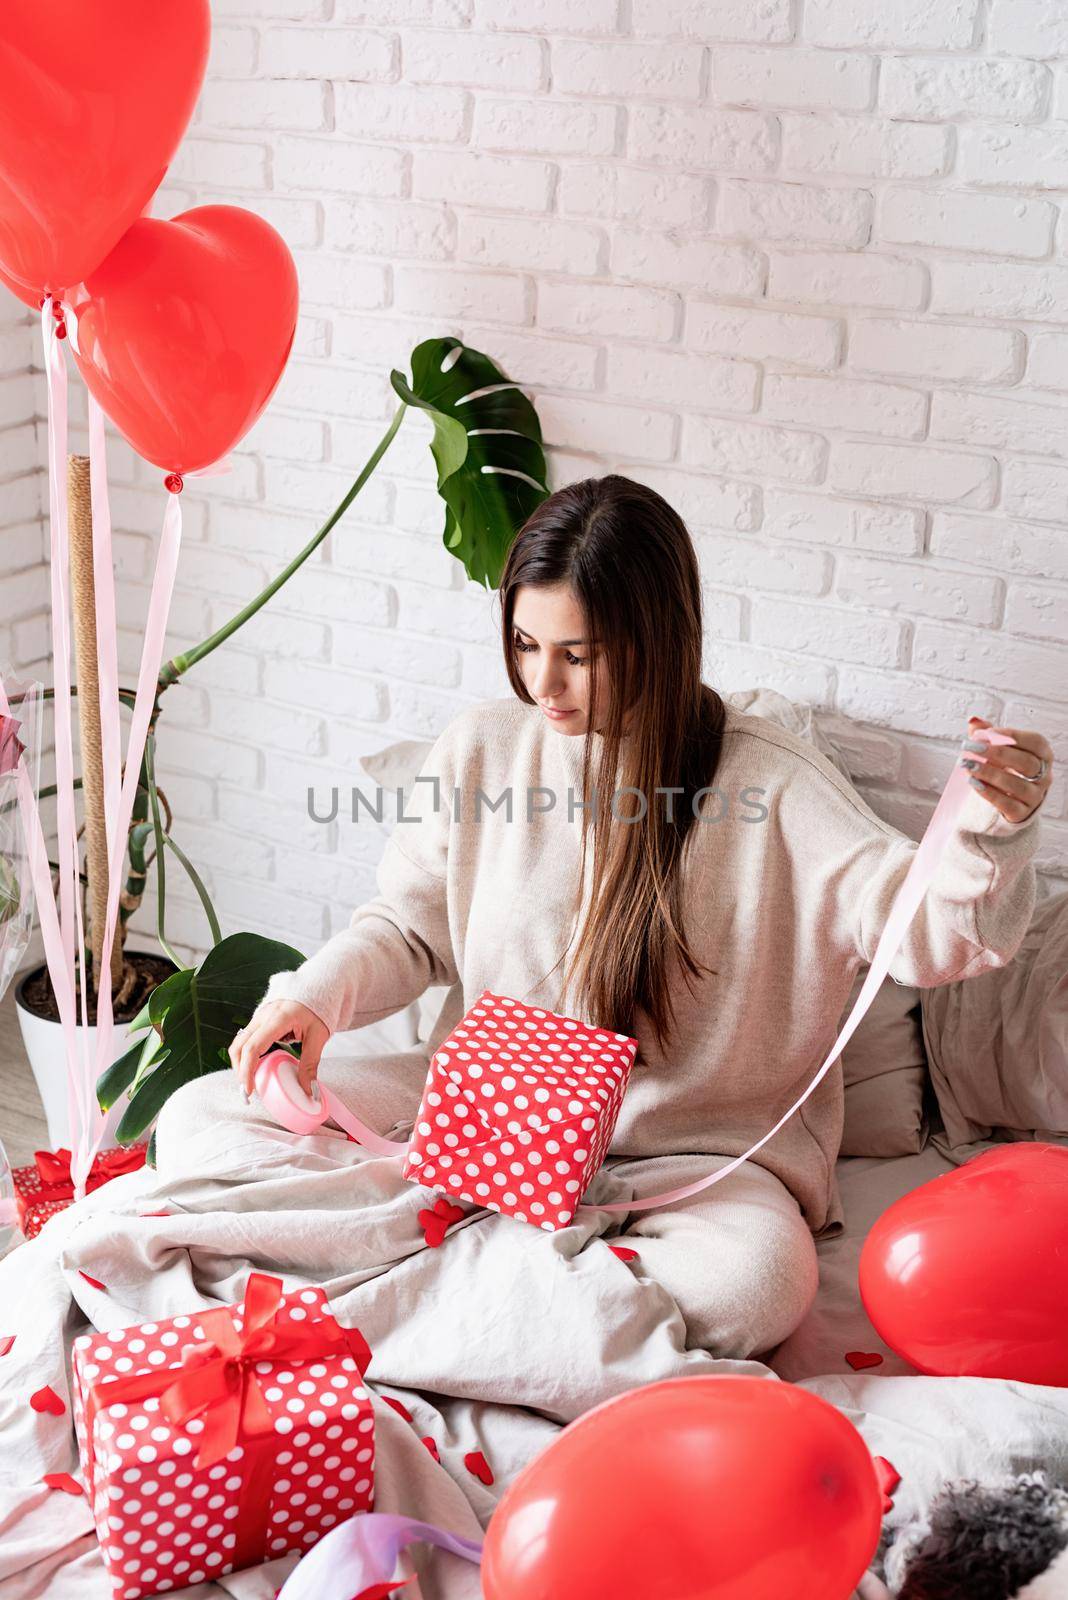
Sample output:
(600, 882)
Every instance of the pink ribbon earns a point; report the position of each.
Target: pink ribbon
(86, 1119)
(59, 569)
(906, 903)
(363, 1552)
(120, 810)
(277, 1086)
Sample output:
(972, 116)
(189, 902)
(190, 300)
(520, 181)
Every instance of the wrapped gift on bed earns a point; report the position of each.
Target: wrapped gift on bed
(46, 1186)
(518, 1110)
(222, 1439)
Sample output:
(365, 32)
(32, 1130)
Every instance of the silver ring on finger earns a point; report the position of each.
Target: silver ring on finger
(1040, 774)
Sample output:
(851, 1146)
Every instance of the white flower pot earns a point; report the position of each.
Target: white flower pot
(45, 1046)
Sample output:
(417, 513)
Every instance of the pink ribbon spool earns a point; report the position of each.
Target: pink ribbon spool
(283, 1097)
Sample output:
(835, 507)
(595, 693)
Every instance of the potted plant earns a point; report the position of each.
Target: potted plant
(177, 1020)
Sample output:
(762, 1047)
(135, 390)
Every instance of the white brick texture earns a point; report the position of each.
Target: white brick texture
(801, 266)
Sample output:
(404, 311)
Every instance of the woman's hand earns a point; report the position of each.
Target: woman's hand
(1014, 778)
(278, 1022)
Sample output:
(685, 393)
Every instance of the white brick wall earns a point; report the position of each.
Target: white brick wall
(798, 264)
(24, 581)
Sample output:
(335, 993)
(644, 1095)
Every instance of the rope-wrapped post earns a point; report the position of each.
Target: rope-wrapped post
(83, 599)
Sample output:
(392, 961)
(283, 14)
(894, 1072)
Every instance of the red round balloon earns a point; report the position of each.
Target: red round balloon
(968, 1274)
(95, 98)
(184, 331)
(702, 1488)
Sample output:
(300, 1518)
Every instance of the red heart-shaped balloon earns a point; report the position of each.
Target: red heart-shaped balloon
(28, 296)
(184, 331)
(96, 97)
(960, 1276)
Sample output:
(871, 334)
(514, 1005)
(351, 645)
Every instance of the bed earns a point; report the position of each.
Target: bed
(285, 1205)
(930, 1429)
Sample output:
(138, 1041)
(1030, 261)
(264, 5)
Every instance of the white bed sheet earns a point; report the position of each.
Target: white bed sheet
(931, 1429)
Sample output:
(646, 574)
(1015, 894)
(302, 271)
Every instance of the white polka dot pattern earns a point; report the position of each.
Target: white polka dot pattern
(164, 1523)
(518, 1110)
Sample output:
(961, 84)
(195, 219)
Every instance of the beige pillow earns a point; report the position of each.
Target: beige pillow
(884, 1066)
(998, 1043)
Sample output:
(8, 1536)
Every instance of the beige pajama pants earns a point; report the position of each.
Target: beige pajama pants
(739, 1260)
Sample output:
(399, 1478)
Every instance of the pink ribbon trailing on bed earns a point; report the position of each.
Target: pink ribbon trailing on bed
(922, 869)
(362, 1553)
(278, 1088)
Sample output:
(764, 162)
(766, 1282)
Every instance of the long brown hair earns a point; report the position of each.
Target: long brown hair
(629, 560)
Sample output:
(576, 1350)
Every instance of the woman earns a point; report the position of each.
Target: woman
(734, 885)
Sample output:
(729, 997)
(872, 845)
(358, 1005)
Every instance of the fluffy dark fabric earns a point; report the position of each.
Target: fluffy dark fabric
(985, 1541)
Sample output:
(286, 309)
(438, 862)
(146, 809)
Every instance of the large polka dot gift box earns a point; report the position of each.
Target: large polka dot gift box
(222, 1439)
(518, 1110)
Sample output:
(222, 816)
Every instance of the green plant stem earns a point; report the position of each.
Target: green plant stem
(170, 672)
(157, 827)
(173, 669)
(205, 899)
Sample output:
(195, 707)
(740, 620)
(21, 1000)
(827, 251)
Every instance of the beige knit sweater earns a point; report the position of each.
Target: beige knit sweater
(786, 906)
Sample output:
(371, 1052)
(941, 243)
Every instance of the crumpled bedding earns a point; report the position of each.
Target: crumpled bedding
(493, 1342)
(997, 1046)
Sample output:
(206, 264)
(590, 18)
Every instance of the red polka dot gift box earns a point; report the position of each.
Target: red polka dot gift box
(222, 1439)
(46, 1186)
(518, 1110)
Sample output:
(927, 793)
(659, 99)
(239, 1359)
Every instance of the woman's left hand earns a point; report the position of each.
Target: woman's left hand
(1014, 778)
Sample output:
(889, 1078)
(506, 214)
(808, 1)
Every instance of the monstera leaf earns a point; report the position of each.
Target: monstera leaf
(487, 448)
(191, 1018)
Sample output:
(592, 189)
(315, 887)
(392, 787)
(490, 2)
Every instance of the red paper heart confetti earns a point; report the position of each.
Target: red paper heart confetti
(94, 1283)
(860, 1359)
(64, 1481)
(623, 1252)
(382, 1591)
(478, 1466)
(433, 1228)
(152, 1214)
(6, 1341)
(401, 1409)
(47, 1399)
(435, 1223)
(432, 1447)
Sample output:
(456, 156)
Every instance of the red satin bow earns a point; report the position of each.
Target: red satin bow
(53, 1167)
(217, 1380)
